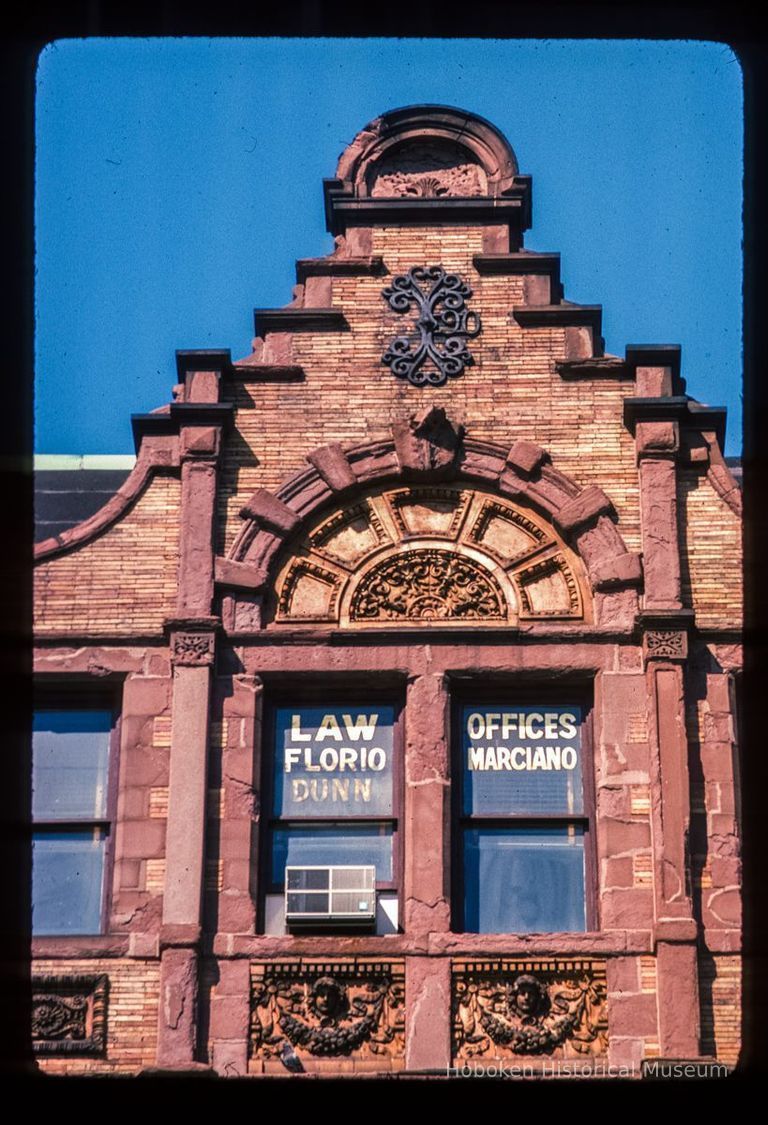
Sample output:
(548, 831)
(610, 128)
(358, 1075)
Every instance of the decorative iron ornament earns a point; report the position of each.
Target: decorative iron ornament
(444, 325)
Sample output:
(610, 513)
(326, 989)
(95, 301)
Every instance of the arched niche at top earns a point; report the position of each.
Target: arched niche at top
(428, 151)
(440, 555)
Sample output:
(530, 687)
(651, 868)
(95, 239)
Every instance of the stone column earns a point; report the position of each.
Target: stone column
(240, 768)
(665, 645)
(192, 654)
(427, 870)
(676, 929)
(192, 635)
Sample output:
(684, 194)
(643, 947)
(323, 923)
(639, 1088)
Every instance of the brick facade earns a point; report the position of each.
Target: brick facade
(583, 534)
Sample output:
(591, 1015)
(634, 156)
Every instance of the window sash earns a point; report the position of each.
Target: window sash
(576, 816)
(73, 838)
(386, 703)
(521, 877)
(68, 880)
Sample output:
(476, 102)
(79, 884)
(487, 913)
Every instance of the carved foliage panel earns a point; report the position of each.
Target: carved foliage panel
(437, 553)
(306, 1011)
(509, 1008)
(428, 169)
(69, 1015)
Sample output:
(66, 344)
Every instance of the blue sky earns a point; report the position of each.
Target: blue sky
(177, 180)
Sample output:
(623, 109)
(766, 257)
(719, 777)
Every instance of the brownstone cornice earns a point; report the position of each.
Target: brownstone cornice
(522, 262)
(564, 315)
(676, 408)
(296, 319)
(339, 267)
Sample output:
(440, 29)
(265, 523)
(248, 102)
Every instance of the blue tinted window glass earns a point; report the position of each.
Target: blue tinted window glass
(70, 758)
(331, 844)
(521, 759)
(334, 761)
(524, 880)
(67, 876)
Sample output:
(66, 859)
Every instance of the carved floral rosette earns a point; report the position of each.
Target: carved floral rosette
(69, 1014)
(328, 1009)
(511, 1009)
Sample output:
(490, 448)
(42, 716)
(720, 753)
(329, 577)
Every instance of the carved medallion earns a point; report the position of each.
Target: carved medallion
(509, 1008)
(69, 1014)
(428, 585)
(328, 1009)
(443, 323)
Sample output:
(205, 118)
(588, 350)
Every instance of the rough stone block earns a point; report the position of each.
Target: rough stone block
(622, 570)
(230, 1016)
(590, 503)
(270, 512)
(526, 457)
(332, 465)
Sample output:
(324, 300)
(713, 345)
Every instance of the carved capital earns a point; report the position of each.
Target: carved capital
(192, 649)
(69, 1014)
(508, 1009)
(665, 644)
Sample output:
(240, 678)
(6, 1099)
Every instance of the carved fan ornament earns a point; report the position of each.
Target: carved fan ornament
(427, 585)
(429, 170)
(437, 554)
(443, 322)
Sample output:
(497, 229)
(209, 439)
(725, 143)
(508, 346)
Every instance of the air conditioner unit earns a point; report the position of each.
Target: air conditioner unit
(325, 897)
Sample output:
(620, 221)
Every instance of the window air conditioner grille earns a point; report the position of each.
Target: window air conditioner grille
(337, 895)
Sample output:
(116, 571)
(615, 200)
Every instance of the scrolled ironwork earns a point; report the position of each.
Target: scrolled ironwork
(444, 324)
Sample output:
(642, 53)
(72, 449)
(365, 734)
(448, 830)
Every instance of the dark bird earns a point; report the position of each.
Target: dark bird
(290, 1059)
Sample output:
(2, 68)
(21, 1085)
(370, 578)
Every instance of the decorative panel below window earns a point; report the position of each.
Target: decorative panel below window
(308, 1014)
(520, 1008)
(69, 1015)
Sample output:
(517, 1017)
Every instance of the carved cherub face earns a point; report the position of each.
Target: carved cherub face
(527, 996)
(328, 997)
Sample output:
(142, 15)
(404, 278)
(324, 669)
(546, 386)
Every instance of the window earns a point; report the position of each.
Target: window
(71, 811)
(333, 792)
(522, 853)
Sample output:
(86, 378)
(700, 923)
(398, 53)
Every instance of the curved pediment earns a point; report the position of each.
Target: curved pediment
(551, 546)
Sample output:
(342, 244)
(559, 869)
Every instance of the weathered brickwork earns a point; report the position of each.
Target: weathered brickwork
(711, 554)
(511, 392)
(131, 1015)
(123, 582)
(721, 1007)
